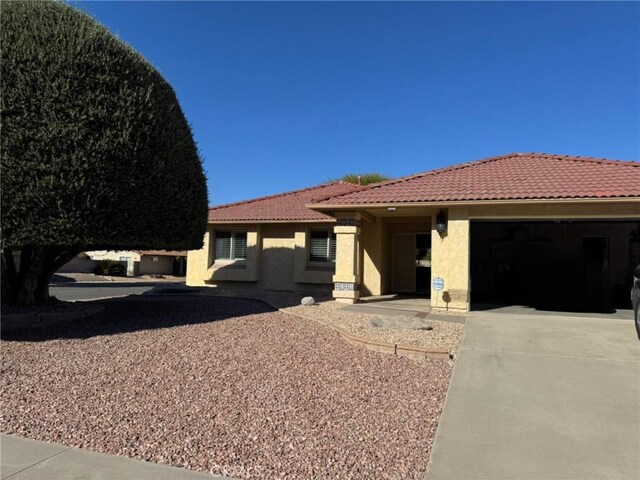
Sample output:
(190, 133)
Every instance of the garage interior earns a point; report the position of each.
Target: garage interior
(573, 266)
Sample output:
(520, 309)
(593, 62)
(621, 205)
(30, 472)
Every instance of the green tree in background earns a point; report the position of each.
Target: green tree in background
(365, 178)
(95, 150)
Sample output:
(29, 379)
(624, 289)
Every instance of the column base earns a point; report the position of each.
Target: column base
(346, 292)
(348, 301)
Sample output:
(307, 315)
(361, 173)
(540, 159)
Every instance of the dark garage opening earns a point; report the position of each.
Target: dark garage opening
(575, 266)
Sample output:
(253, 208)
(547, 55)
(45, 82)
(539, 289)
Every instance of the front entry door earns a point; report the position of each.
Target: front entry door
(403, 262)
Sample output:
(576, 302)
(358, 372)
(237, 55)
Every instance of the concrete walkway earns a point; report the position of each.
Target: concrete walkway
(542, 397)
(391, 305)
(24, 459)
(401, 306)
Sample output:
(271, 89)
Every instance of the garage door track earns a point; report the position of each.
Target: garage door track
(534, 397)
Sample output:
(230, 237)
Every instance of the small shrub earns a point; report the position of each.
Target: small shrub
(110, 267)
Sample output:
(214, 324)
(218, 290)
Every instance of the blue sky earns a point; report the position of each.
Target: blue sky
(285, 95)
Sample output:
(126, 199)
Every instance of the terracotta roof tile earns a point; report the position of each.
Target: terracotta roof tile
(163, 253)
(516, 176)
(288, 206)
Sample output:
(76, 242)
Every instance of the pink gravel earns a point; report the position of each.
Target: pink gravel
(223, 385)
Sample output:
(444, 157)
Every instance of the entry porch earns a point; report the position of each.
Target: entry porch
(399, 251)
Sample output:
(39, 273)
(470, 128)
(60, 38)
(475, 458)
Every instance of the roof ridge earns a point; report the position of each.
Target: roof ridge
(580, 158)
(283, 194)
(482, 161)
(422, 174)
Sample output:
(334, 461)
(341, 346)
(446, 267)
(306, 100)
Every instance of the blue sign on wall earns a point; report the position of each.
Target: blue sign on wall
(438, 284)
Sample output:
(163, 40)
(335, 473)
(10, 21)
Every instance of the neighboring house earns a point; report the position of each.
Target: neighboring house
(548, 231)
(273, 243)
(146, 262)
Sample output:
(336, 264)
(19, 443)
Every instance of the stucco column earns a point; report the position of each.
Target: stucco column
(346, 281)
(450, 261)
(371, 251)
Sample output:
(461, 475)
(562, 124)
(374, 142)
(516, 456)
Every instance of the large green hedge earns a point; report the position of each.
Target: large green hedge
(95, 149)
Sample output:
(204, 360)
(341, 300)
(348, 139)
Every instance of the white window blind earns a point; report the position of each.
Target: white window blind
(223, 245)
(231, 245)
(322, 246)
(240, 245)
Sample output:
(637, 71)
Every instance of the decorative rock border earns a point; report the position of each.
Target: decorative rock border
(409, 351)
(20, 321)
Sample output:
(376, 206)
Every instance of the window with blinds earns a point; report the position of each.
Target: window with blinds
(231, 245)
(239, 245)
(322, 246)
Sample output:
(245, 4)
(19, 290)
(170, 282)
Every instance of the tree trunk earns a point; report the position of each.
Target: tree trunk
(9, 276)
(30, 286)
(56, 258)
(29, 276)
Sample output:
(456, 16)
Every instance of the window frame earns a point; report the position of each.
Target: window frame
(232, 246)
(331, 236)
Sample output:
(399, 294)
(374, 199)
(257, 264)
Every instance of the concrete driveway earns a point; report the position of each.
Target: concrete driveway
(534, 397)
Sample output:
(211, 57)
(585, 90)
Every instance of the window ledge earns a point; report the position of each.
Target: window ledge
(240, 264)
(321, 266)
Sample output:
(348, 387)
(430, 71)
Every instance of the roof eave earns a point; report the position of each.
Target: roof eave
(320, 207)
(244, 222)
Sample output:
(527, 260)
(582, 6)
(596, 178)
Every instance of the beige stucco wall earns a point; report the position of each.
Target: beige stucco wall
(450, 261)
(112, 255)
(197, 263)
(203, 269)
(304, 271)
(373, 268)
(346, 279)
(277, 259)
(143, 264)
(164, 265)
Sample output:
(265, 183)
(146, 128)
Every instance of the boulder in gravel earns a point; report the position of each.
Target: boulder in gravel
(402, 323)
(308, 301)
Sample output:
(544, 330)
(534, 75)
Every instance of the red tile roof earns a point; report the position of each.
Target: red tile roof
(288, 206)
(163, 253)
(517, 176)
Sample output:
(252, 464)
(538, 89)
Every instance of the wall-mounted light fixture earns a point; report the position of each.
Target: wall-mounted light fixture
(441, 223)
(391, 209)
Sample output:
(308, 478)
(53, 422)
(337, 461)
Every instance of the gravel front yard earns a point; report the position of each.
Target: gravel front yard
(254, 394)
(446, 335)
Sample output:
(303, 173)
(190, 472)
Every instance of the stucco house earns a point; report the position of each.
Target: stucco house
(548, 231)
(273, 243)
(145, 262)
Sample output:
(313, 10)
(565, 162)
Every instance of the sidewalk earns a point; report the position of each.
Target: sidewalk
(24, 459)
